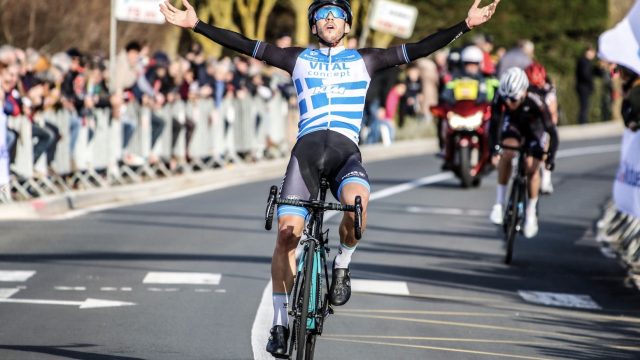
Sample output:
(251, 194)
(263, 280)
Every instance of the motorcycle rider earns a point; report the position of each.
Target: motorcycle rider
(520, 117)
(469, 85)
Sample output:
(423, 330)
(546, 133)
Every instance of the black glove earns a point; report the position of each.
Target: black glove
(550, 163)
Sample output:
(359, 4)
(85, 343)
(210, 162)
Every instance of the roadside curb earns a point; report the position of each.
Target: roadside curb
(189, 184)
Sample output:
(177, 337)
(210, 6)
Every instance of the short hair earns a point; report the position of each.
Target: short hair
(133, 46)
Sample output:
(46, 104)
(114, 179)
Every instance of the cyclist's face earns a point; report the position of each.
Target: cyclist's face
(514, 104)
(331, 28)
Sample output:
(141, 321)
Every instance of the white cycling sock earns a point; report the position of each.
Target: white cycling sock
(344, 256)
(531, 207)
(280, 316)
(501, 190)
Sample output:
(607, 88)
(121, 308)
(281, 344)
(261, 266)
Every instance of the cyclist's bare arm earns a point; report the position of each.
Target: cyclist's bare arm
(284, 59)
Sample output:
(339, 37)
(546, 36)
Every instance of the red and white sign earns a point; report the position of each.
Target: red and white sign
(393, 18)
(144, 11)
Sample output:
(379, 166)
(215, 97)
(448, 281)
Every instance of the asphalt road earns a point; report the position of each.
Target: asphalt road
(186, 276)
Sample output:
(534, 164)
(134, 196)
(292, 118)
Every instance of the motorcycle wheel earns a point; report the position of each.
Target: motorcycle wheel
(465, 166)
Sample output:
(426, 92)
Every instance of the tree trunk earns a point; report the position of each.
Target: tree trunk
(267, 6)
(300, 8)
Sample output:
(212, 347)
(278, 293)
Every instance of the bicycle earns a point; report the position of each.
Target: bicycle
(514, 214)
(310, 299)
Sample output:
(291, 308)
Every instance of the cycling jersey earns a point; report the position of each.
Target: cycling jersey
(527, 123)
(331, 83)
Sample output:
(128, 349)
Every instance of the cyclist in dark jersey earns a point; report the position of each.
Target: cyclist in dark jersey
(520, 117)
(541, 84)
(331, 83)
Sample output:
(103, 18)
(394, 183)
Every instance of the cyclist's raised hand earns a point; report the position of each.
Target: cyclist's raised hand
(183, 18)
(480, 15)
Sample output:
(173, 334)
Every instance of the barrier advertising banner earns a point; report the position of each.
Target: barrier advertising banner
(4, 153)
(626, 189)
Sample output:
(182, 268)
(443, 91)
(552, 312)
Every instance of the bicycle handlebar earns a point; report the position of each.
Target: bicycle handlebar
(316, 204)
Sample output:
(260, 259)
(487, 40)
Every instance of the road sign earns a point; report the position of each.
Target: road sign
(393, 18)
(144, 11)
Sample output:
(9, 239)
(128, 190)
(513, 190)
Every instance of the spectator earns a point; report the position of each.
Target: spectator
(520, 56)
(631, 102)
(72, 97)
(4, 148)
(410, 104)
(375, 98)
(126, 75)
(392, 103)
(585, 72)
(485, 43)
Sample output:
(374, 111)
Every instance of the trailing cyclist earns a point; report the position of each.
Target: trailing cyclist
(331, 84)
(520, 118)
(541, 84)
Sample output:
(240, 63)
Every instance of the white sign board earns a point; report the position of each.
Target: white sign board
(393, 18)
(621, 45)
(144, 11)
(626, 189)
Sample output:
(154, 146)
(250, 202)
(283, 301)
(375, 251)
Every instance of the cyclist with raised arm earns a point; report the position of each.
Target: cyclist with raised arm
(520, 117)
(331, 83)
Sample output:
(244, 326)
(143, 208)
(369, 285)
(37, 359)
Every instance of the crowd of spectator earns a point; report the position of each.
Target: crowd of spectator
(35, 85)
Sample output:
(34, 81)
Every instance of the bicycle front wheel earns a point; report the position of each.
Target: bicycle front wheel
(511, 223)
(303, 347)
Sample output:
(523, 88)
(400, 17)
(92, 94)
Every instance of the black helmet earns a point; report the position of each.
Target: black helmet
(317, 4)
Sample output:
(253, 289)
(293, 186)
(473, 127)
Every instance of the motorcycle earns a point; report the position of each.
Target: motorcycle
(466, 140)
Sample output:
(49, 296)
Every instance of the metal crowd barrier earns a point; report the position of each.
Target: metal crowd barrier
(620, 232)
(238, 126)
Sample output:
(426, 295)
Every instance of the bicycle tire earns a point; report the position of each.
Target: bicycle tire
(465, 167)
(512, 223)
(305, 290)
(310, 346)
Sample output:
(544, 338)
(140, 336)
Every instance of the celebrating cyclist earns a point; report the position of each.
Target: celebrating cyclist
(331, 84)
(520, 117)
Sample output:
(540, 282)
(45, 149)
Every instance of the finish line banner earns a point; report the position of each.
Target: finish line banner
(626, 189)
(4, 154)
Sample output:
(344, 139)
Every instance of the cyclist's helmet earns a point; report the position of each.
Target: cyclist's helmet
(513, 84)
(537, 74)
(317, 4)
(472, 54)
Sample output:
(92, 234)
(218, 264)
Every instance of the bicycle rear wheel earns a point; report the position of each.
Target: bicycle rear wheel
(511, 218)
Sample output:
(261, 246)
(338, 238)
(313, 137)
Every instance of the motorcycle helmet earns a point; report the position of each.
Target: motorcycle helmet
(472, 54)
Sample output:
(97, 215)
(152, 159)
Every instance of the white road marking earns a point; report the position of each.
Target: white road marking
(264, 314)
(562, 300)
(87, 304)
(16, 276)
(380, 287)
(7, 293)
(446, 211)
(153, 289)
(221, 291)
(203, 290)
(70, 288)
(182, 278)
(108, 288)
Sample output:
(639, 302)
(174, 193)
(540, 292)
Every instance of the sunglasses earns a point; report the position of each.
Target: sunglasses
(336, 12)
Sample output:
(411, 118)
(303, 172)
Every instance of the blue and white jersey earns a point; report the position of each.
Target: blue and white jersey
(331, 90)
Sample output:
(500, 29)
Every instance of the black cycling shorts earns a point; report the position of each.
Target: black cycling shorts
(323, 153)
(534, 141)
